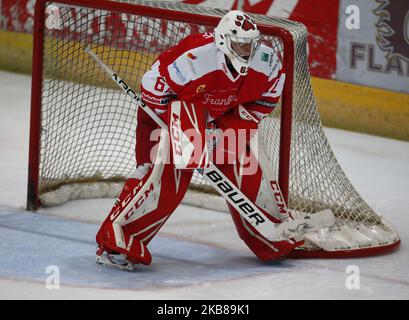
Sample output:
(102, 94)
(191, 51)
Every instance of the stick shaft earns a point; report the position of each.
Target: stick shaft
(126, 88)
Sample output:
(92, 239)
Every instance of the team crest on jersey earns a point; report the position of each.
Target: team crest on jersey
(245, 22)
(200, 88)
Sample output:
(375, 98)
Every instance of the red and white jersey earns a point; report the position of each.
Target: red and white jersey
(195, 71)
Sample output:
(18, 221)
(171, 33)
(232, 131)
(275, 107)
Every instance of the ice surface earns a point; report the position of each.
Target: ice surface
(197, 254)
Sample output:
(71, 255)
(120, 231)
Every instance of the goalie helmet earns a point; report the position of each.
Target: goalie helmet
(237, 37)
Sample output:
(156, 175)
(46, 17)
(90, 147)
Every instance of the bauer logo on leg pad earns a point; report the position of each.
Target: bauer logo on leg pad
(236, 197)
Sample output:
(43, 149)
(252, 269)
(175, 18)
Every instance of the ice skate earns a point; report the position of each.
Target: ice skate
(114, 260)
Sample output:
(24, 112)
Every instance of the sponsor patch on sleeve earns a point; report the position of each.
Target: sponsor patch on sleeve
(264, 56)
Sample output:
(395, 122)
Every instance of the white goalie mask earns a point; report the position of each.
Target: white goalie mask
(237, 37)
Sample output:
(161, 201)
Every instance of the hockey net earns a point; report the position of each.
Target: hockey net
(83, 128)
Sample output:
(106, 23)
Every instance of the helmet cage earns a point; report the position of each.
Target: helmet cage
(250, 45)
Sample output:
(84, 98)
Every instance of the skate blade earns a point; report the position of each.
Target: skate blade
(104, 260)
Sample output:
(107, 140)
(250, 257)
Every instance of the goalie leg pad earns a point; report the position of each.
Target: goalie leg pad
(249, 177)
(264, 249)
(130, 234)
(142, 208)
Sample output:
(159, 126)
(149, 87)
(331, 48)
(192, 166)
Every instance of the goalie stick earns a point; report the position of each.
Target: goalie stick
(247, 209)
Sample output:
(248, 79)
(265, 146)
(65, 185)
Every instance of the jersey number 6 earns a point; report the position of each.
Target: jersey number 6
(160, 84)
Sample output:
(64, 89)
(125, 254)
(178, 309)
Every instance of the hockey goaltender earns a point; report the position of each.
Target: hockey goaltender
(202, 102)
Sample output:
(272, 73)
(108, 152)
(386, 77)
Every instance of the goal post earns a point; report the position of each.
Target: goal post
(82, 128)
